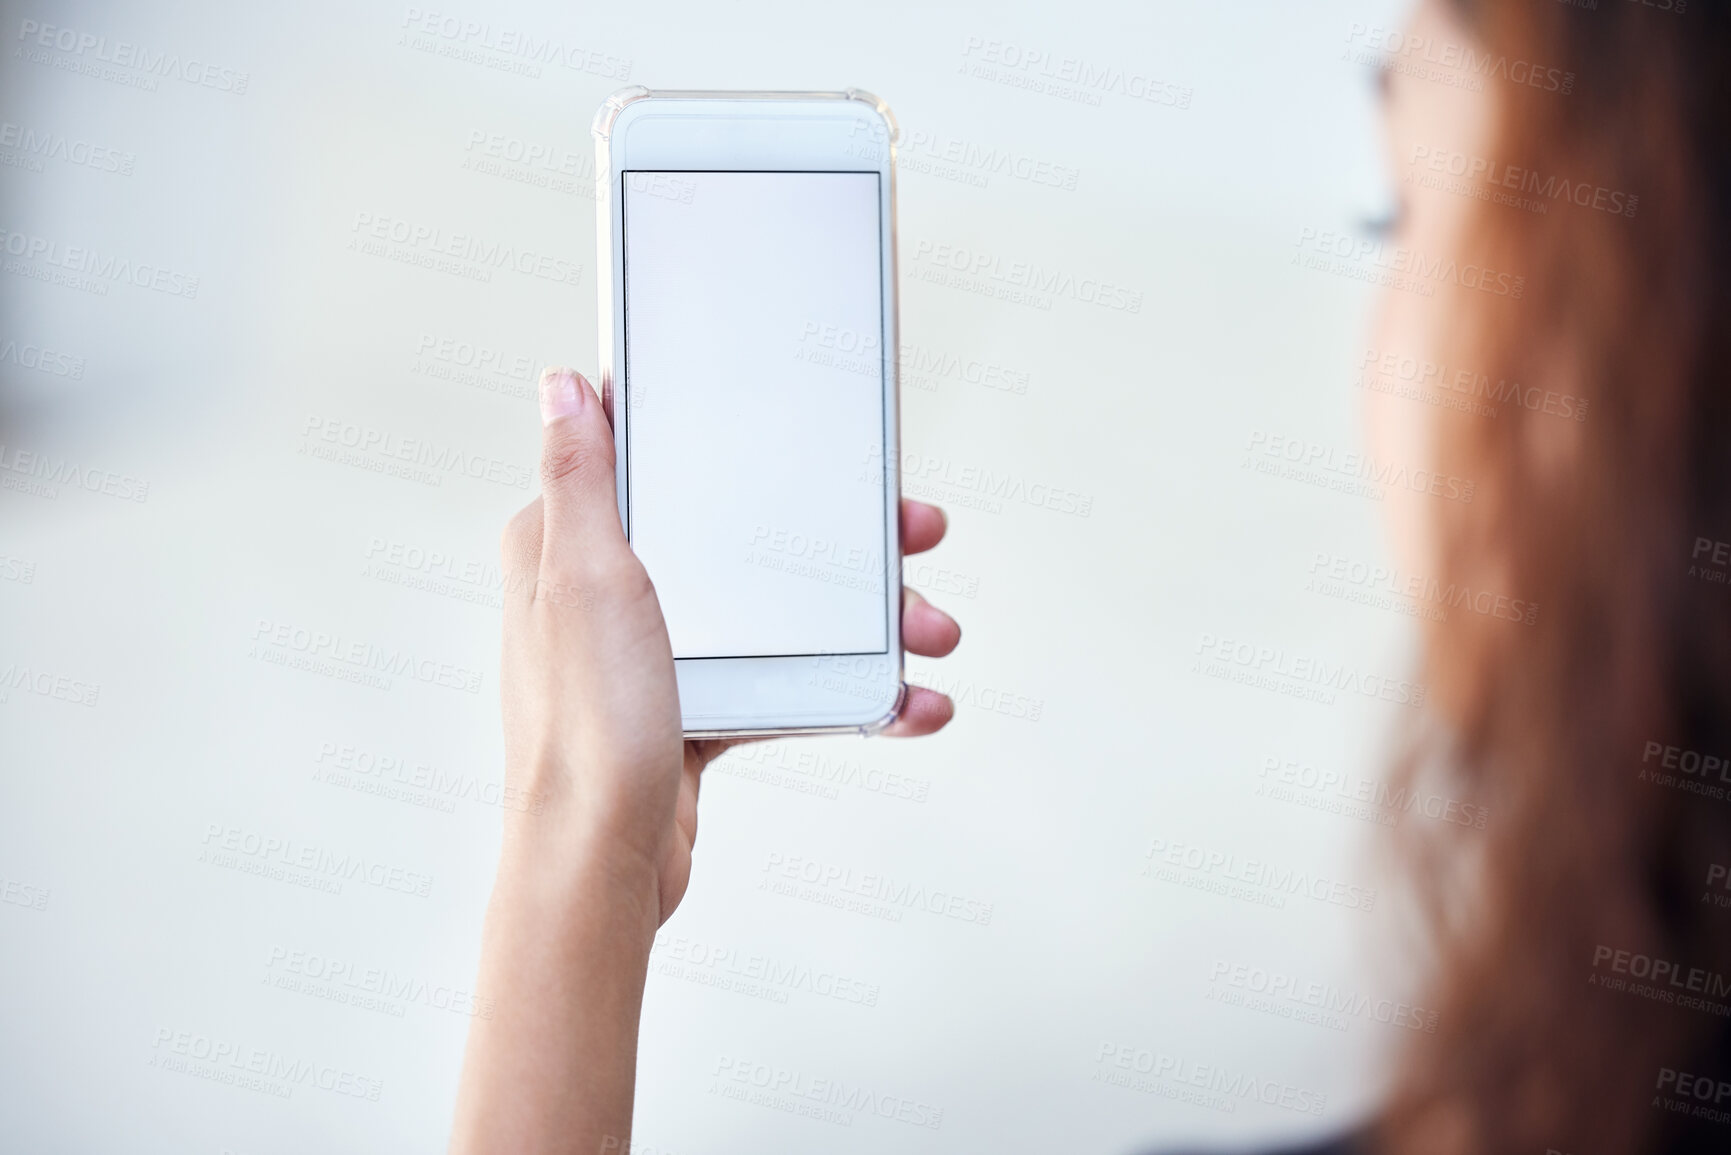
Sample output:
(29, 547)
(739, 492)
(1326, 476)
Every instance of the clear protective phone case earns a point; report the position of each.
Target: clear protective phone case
(602, 129)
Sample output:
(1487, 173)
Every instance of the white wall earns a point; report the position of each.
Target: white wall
(1090, 731)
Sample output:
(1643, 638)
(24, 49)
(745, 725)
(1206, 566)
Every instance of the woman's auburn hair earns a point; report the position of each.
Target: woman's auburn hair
(1584, 733)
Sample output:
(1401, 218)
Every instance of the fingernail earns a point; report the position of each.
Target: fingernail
(561, 394)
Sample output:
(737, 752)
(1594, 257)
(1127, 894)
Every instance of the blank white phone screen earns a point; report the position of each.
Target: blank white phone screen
(754, 380)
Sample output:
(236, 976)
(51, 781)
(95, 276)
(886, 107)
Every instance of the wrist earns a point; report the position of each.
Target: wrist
(561, 865)
(585, 811)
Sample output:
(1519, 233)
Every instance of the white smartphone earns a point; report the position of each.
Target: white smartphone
(749, 350)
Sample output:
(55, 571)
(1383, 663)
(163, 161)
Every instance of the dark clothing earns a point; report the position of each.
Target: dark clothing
(1348, 1144)
(1351, 1143)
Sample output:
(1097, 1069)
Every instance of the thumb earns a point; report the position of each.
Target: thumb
(577, 485)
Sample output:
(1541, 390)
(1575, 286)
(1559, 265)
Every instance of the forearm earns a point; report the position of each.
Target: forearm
(564, 957)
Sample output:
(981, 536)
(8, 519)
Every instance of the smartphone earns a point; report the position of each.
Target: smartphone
(748, 349)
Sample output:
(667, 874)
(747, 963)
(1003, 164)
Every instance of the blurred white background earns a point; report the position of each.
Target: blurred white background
(243, 880)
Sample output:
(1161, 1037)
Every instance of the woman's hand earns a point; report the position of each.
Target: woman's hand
(602, 857)
(590, 703)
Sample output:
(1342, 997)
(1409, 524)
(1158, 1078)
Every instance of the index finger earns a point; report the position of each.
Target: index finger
(922, 526)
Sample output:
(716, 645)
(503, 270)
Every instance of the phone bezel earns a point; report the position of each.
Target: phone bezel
(731, 697)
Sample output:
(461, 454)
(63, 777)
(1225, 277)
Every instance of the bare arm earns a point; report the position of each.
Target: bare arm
(564, 956)
(599, 855)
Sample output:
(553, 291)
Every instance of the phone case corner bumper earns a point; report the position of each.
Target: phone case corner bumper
(602, 126)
